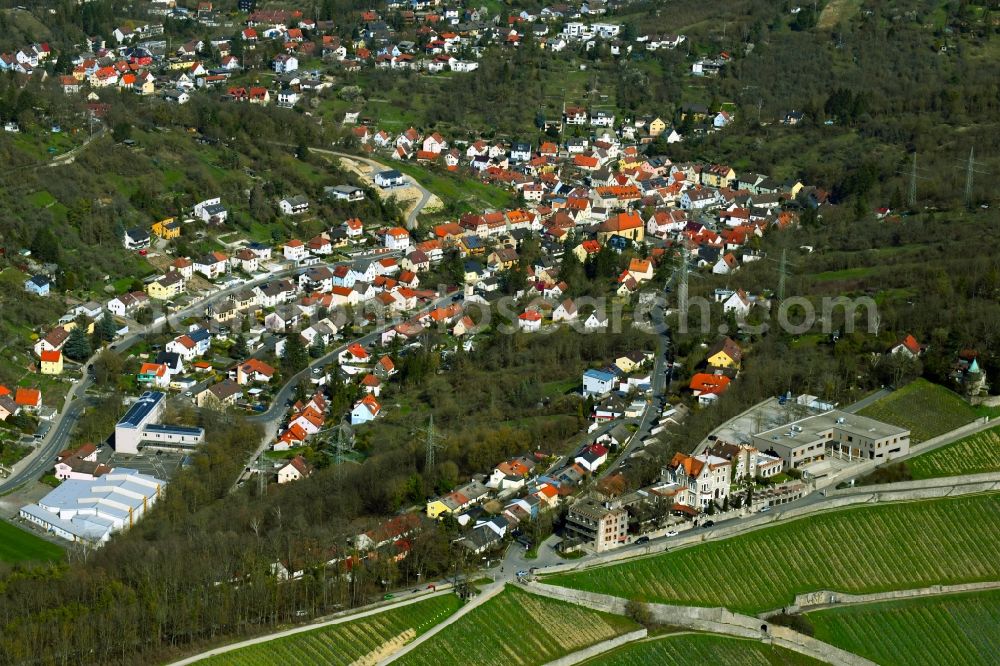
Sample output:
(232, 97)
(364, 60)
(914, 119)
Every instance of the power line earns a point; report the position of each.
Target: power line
(433, 443)
(971, 169)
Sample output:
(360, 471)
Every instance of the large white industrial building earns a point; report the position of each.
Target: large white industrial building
(92, 510)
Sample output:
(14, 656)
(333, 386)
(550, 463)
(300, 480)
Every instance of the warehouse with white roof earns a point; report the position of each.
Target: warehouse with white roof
(92, 510)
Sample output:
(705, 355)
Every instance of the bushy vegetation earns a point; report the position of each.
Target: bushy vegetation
(868, 549)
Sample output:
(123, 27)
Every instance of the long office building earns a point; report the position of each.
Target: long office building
(850, 436)
(141, 424)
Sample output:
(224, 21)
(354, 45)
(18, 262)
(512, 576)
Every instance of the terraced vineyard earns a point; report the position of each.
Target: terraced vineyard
(865, 549)
(347, 642)
(927, 409)
(959, 630)
(688, 649)
(970, 455)
(517, 628)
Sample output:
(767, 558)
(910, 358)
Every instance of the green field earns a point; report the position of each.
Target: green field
(927, 409)
(859, 550)
(958, 630)
(16, 545)
(974, 454)
(347, 642)
(696, 649)
(518, 628)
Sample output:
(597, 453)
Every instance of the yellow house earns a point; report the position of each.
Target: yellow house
(167, 229)
(794, 188)
(436, 507)
(166, 286)
(51, 362)
(718, 175)
(725, 354)
(631, 361)
(657, 127)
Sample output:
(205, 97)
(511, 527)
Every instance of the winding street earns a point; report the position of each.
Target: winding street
(271, 419)
(425, 194)
(57, 438)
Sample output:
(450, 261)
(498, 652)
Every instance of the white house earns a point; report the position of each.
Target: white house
(389, 178)
(296, 205)
(397, 238)
(294, 250)
(598, 382)
(284, 63)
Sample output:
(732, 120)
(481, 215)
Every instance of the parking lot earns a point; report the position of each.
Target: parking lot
(161, 464)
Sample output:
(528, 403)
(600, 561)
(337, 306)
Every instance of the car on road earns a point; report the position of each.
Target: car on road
(764, 509)
(457, 297)
(671, 533)
(708, 523)
(642, 539)
(521, 574)
(387, 597)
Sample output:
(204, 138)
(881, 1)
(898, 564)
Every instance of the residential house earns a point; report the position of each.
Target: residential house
(598, 382)
(705, 479)
(296, 205)
(600, 525)
(38, 285)
(725, 353)
(295, 469)
(51, 362)
(365, 410)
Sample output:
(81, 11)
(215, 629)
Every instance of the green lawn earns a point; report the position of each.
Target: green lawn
(347, 642)
(449, 187)
(958, 630)
(844, 274)
(974, 454)
(17, 545)
(927, 409)
(697, 649)
(858, 550)
(518, 628)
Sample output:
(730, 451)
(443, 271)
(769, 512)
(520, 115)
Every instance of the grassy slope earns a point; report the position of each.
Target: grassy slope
(518, 628)
(16, 545)
(958, 630)
(687, 649)
(347, 642)
(865, 549)
(927, 409)
(970, 455)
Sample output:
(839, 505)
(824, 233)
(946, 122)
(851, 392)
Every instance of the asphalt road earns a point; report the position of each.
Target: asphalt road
(57, 438)
(660, 381)
(271, 418)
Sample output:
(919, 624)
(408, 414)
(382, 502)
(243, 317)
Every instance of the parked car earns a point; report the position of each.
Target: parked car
(708, 523)
(672, 533)
(642, 539)
(764, 509)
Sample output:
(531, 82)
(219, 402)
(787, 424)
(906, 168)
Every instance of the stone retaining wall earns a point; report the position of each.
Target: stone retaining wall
(821, 599)
(710, 620)
(600, 648)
